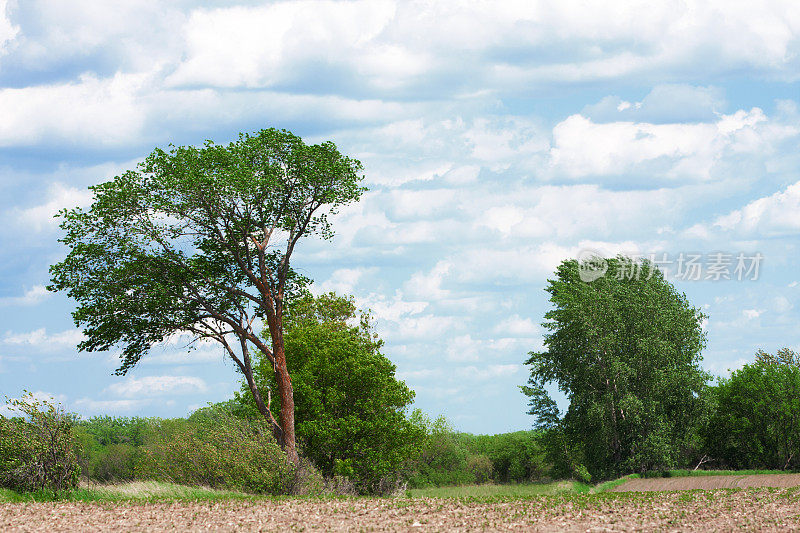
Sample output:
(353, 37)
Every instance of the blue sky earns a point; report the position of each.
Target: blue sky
(497, 139)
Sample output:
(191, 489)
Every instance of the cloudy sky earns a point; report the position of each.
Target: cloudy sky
(498, 138)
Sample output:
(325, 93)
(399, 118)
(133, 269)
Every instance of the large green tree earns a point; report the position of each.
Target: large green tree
(625, 349)
(198, 241)
(350, 407)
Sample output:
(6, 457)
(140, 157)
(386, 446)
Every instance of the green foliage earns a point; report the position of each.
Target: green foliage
(442, 456)
(349, 406)
(447, 458)
(756, 420)
(111, 446)
(224, 452)
(625, 349)
(517, 457)
(480, 466)
(37, 450)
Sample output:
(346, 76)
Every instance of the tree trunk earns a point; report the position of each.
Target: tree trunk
(287, 405)
(264, 408)
(287, 402)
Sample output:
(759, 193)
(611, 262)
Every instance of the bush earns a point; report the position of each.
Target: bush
(480, 466)
(115, 462)
(517, 457)
(442, 456)
(37, 450)
(221, 451)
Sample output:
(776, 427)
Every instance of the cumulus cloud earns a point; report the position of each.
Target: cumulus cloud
(392, 44)
(41, 217)
(8, 31)
(32, 296)
(89, 406)
(583, 148)
(777, 214)
(39, 338)
(157, 386)
(343, 281)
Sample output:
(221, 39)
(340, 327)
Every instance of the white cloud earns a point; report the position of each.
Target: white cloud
(42, 217)
(135, 109)
(428, 285)
(487, 372)
(465, 348)
(39, 338)
(157, 386)
(263, 46)
(91, 110)
(781, 304)
(343, 281)
(32, 296)
(582, 147)
(665, 103)
(751, 314)
(89, 406)
(392, 310)
(7, 30)
(517, 326)
(778, 214)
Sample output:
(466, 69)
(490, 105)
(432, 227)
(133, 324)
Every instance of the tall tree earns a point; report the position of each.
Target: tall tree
(198, 241)
(625, 349)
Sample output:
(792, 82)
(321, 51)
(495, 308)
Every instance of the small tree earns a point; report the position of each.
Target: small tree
(37, 449)
(756, 420)
(350, 407)
(625, 349)
(198, 241)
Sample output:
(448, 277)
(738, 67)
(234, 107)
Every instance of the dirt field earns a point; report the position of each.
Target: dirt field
(709, 482)
(749, 509)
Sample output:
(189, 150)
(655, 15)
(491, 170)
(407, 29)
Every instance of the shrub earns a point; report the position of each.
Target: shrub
(480, 466)
(442, 456)
(37, 450)
(220, 451)
(115, 462)
(515, 457)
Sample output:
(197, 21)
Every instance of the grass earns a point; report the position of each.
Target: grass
(515, 491)
(142, 491)
(132, 491)
(608, 485)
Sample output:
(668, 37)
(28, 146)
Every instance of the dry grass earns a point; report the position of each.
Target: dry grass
(753, 509)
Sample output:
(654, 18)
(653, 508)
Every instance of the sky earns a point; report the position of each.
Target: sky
(498, 139)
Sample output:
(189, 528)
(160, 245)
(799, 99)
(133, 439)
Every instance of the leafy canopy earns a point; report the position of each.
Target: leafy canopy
(198, 239)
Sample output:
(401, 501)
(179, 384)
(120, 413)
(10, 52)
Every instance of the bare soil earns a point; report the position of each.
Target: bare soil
(748, 509)
(709, 482)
